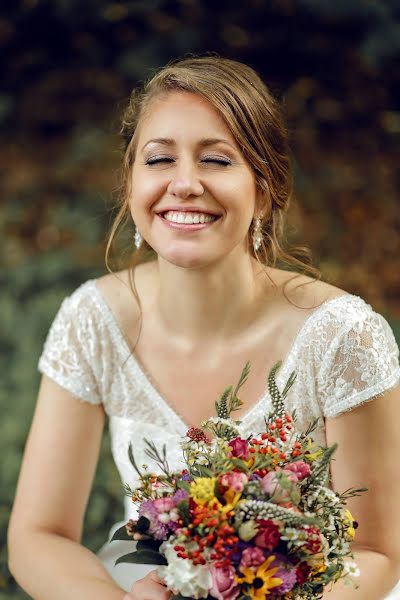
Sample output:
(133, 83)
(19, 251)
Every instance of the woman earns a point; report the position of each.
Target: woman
(206, 182)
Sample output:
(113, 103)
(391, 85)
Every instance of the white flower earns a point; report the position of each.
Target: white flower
(290, 534)
(181, 576)
(350, 568)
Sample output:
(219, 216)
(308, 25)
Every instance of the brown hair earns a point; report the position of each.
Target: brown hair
(256, 121)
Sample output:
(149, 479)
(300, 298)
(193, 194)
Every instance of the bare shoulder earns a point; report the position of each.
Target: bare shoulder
(118, 290)
(305, 292)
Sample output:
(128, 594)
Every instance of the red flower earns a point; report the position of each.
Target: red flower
(302, 572)
(268, 535)
(313, 544)
(240, 448)
(197, 435)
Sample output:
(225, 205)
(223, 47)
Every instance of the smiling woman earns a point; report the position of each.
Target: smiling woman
(245, 135)
(207, 181)
(195, 167)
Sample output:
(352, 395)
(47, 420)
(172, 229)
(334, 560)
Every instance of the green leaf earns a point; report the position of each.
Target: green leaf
(183, 485)
(132, 460)
(204, 471)
(144, 557)
(121, 534)
(239, 464)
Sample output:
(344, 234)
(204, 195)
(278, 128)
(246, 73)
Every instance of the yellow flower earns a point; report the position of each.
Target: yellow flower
(202, 490)
(319, 568)
(232, 497)
(312, 455)
(350, 531)
(261, 581)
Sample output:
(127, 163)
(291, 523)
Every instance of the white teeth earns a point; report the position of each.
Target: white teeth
(187, 218)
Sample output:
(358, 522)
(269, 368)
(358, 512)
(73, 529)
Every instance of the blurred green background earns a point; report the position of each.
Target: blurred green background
(67, 70)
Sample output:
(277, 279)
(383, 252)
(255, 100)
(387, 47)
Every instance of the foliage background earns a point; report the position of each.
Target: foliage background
(67, 70)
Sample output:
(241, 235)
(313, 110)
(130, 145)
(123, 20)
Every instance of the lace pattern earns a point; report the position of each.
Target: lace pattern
(344, 354)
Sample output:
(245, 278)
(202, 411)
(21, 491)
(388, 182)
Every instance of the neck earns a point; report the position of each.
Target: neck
(215, 303)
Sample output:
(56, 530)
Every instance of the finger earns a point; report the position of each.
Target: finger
(155, 577)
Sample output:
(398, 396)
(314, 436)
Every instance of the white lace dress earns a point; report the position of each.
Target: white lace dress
(344, 354)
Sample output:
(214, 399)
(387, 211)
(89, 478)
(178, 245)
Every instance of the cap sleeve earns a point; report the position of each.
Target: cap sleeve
(360, 358)
(70, 351)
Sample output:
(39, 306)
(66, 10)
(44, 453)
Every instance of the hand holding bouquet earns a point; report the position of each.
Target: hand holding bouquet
(247, 518)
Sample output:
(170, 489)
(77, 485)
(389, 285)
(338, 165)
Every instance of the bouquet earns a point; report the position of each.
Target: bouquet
(246, 518)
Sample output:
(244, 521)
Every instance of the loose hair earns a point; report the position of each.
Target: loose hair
(255, 119)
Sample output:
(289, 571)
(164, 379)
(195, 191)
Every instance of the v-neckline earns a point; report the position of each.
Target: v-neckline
(150, 385)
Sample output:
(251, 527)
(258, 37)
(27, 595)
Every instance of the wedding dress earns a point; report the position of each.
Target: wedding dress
(344, 355)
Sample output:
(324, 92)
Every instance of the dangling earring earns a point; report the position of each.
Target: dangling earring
(138, 239)
(257, 234)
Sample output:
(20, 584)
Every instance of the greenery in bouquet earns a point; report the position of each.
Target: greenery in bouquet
(247, 517)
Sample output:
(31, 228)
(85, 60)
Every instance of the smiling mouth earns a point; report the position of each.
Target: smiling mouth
(188, 218)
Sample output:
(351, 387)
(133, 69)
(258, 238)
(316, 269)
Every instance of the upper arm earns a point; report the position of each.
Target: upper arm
(368, 456)
(59, 463)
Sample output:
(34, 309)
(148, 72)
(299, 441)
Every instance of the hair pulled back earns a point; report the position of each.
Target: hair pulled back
(255, 120)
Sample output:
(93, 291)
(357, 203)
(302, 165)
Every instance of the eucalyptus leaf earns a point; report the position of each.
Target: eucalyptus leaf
(144, 557)
(152, 545)
(121, 534)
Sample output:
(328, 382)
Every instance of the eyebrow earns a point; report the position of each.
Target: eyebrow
(202, 143)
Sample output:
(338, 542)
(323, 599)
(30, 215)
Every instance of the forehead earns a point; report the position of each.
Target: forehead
(182, 116)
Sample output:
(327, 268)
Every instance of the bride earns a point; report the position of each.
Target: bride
(206, 181)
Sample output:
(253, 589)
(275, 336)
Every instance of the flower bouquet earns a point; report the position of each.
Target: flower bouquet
(246, 518)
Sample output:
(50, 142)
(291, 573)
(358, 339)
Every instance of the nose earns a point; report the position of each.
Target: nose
(185, 183)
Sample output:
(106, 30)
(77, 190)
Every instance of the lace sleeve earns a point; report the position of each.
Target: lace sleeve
(360, 360)
(69, 354)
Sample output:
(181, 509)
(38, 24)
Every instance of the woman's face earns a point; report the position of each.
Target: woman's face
(189, 169)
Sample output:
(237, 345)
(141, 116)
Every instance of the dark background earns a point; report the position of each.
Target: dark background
(67, 68)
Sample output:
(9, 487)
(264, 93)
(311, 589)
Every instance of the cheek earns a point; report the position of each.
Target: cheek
(145, 191)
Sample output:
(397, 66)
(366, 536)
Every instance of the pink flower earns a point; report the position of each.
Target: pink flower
(271, 486)
(164, 504)
(268, 534)
(224, 586)
(252, 557)
(240, 448)
(300, 468)
(235, 481)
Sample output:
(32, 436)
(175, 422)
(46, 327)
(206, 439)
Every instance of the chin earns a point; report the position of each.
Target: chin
(186, 260)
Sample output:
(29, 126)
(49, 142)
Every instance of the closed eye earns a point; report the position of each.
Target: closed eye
(155, 160)
(219, 160)
(225, 162)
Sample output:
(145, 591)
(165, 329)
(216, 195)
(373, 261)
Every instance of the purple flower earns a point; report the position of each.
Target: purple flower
(157, 529)
(179, 496)
(224, 586)
(286, 572)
